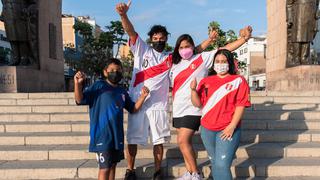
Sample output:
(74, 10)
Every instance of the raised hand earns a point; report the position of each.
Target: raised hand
(122, 8)
(193, 84)
(145, 91)
(246, 33)
(79, 77)
(213, 35)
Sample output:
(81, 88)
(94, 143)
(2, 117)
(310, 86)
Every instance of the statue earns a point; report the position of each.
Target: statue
(302, 17)
(21, 23)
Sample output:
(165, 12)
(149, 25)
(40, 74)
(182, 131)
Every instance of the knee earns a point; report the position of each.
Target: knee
(183, 141)
(220, 165)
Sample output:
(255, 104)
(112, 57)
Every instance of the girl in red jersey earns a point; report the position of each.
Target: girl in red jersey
(222, 96)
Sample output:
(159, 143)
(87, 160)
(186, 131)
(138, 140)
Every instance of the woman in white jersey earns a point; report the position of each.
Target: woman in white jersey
(186, 67)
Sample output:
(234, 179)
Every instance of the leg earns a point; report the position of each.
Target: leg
(185, 145)
(208, 139)
(112, 173)
(158, 155)
(225, 151)
(103, 174)
(131, 155)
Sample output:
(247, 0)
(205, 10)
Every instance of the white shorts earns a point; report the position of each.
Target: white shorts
(143, 123)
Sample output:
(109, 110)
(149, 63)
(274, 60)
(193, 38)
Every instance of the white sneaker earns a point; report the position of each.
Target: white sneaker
(185, 176)
(195, 176)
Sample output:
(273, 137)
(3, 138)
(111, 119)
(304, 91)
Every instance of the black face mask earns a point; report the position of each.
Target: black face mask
(114, 77)
(158, 45)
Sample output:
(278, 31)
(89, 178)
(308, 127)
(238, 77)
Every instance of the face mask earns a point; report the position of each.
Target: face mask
(186, 53)
(114, 77)
(158, 45)
(221, 68)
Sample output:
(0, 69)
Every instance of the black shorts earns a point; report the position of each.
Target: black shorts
(109, 158)
(190, 122)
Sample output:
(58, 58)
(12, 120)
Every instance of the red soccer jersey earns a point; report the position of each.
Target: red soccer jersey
(220, 97)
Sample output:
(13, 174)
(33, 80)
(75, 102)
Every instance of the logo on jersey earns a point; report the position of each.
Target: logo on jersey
(123, 97)
(193, 66)
(229, 87)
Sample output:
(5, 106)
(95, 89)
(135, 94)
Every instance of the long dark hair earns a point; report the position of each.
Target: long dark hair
(176, 58)
(228, 54)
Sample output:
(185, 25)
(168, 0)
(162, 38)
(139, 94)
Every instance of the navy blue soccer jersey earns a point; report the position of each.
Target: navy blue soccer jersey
(106, 105)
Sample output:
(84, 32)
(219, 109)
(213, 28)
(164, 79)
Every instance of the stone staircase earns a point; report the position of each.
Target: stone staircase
(45, 136)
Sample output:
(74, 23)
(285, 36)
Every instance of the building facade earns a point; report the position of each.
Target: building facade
(253, 54)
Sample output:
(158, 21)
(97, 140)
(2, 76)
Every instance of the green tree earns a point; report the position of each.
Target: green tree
(225, 37)
(94, 51)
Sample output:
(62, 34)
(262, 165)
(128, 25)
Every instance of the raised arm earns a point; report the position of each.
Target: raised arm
(79, 78)
(212, 38)
(122, 10)
(245, 35)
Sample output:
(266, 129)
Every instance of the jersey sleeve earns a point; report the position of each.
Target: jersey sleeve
(88, 95)
(208, 58)
(242, 98)
(138, 48)
(128, 104)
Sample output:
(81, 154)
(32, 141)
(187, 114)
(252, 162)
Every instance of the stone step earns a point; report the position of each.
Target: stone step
(53, 138)
(248, 136)
(171, 151)
(285, 99)
(285, 107)
(262, 136)
(59, 169)
(83, 126)
(281, 115)
(44, 117)
(73, 126)
(43, 109)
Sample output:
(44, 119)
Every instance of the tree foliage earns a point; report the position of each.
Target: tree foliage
(225, 37)
(94, 50)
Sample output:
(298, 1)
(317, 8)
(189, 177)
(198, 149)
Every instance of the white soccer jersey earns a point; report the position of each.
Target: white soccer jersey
(181, 76)
(151, 69)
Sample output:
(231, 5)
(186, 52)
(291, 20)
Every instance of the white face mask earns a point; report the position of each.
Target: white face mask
(221, 68)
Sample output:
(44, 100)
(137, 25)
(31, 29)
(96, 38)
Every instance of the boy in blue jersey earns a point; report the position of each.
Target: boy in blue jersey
(106, 101)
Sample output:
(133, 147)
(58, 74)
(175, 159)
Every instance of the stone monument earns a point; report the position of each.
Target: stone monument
(291, 29)
(34, 30)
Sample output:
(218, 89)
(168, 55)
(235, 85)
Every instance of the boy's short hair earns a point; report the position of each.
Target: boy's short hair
(113, 61)
(158, 29)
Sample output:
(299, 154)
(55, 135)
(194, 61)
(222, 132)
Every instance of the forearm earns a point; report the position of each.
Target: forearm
(195, 99)
(236, 44)
(138, 104)
(78, 95)
(203, 46)
(237, 116)
(128, 27)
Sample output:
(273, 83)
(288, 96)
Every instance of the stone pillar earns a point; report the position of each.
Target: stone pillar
(279, 78)
(50, 76)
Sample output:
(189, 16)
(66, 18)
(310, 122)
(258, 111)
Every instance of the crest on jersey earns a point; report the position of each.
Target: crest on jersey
(123, 97)
(193, 66)
(229, 87)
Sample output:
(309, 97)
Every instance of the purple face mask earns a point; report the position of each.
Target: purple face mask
(186, 53)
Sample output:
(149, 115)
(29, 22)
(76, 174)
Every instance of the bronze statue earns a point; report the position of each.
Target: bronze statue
(302, 17)
(21, 23)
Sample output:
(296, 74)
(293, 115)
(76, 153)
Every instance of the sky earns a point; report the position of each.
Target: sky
(179, 16)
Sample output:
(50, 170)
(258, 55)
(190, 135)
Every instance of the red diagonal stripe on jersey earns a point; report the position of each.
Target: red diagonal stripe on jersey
(181, 78)
(153, 71)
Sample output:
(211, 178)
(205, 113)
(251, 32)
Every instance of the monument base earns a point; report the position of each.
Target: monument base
(26, 79)
(302, 79)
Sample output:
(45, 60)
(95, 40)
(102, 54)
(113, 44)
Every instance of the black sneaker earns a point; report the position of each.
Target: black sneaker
(130, 175)
(157, 175)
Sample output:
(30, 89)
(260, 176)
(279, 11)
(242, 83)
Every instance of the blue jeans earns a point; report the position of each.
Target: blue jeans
(220, 152)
